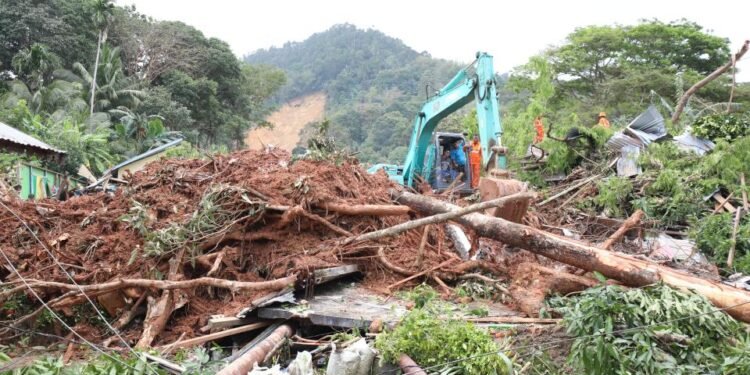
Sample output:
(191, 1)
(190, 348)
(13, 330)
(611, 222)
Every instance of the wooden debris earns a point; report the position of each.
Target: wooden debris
(568, 190)
(408, 366)
(397, 229)
(172, 367)
(629, 224)
(715, 74)
(627, 269)
(414, 276)
(365, 209)
(256, 355)
(513, 320)
(217, 335)
(730, 257)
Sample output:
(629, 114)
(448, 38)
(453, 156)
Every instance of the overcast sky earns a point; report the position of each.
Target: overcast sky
(455, 30)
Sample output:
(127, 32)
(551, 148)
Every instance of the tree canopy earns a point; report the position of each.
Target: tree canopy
(99, 69)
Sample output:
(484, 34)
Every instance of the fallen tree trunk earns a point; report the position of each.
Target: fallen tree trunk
(631, 222)
(715, 74)
(256, 355)
(630, 271)
(445, 216)
(365, 209)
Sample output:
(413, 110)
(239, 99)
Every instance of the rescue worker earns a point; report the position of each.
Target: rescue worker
(602, 120)
(539, 126)
(458, 156)
(475, 161)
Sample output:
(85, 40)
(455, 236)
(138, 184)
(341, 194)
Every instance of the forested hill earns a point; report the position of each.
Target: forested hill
(375, 85)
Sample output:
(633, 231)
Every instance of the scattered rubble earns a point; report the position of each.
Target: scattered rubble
(258, 252)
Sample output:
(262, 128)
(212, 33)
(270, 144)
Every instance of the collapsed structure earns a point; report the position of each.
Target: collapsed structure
(188, 250)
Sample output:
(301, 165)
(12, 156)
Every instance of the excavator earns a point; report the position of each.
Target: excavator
(475, 82)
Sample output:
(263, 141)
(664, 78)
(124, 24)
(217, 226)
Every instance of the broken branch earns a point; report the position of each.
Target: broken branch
(365, 209)
(400, 228)
(631, 222)
(716, 74)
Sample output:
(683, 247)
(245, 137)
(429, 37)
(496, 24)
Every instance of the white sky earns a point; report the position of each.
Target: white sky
(512, 31)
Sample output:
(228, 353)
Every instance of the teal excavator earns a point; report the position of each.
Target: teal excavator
(475, 82)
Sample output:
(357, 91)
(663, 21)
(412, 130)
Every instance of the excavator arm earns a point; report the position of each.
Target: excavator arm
(462, 89)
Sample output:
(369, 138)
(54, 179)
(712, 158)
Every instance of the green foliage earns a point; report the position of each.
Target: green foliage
(374, 84)
(431, 341)
(111, 364)
(652, 330)
(713, 237)
(219, 209)
(614, 194)
(196, 87)
(421, 295)
(726, 126)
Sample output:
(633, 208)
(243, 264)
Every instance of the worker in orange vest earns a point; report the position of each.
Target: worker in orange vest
(603, 122)
(475, 161)
(539, 126)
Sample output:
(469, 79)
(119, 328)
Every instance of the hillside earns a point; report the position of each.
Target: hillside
(374, 85)
(288, 121)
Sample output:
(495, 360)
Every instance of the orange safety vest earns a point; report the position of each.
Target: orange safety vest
(476, 153)
(539, 126)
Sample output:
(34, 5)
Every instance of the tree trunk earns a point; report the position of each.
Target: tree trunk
(445, 216)
(96, 70)
(628, 270)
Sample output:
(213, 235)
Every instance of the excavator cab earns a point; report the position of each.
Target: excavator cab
(444, 175)
(424, 162)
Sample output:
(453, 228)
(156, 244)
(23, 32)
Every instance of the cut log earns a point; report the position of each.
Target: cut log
(400, 228)
(245, 363)
(365, 209)
(629, 270)
(631, 222)
(408, 366)
(460, 241)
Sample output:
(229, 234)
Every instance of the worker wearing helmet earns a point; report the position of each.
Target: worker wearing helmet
(602, 120)
(475, 161)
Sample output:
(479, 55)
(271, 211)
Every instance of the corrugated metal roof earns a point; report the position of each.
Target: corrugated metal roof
(11, 134)
(144, 155)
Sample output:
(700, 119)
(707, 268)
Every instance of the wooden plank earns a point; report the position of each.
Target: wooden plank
(327, 274)
(218, 335)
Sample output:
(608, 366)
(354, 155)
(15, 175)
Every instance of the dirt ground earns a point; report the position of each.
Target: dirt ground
(288, 121)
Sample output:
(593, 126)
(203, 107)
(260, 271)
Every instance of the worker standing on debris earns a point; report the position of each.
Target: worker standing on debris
(475, 161)
(539, 126)
(603, 122)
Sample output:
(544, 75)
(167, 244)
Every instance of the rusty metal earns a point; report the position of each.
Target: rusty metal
(408, 366)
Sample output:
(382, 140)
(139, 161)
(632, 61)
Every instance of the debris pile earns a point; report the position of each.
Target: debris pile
(238, 226)
(257, 251)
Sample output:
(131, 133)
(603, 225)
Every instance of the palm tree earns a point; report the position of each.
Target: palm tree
(147, 131)
(103, 13)
(35, 65)
(113, 88)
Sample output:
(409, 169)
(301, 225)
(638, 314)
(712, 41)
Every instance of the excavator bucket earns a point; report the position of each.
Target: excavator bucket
(495, 187)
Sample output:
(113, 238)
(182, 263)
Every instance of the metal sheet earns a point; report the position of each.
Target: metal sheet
(15, 136)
